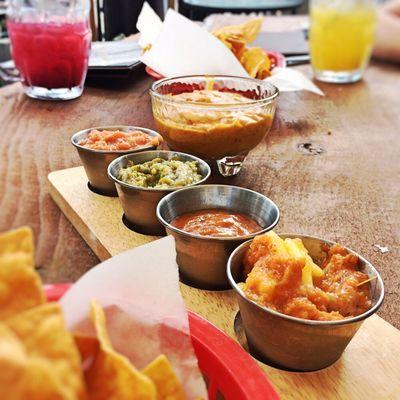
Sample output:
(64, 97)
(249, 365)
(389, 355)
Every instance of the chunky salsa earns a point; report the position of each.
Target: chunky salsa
(216, 223)
(161, 174)
(282, 276)
(117, 140)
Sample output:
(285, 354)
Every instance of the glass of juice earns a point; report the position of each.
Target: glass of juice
(341, 38)
(50, 45)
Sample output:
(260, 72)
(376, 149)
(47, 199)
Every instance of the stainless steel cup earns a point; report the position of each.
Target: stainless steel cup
(202, 260)
(294, 343)
(96, 162)
(139, 204)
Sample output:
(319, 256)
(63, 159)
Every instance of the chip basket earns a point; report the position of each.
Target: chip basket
(277, 60)
(230, 372)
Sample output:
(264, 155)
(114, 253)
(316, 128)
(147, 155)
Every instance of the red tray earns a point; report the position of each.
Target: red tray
(277, 60)
(230, 371)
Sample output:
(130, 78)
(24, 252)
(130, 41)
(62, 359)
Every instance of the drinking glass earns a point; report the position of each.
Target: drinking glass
(341, 38)
(50, 44)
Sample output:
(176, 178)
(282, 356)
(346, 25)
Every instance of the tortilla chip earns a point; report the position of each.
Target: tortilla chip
(41, 359)
(252, 60)
(112, 376)
(20, 285)
(11, 349)
(265, 69)
(234, 43)
(247, 31)
(161, 373)
(18, 240)
(88, 347)
(23, 377)
(251, 29)
(255, 61)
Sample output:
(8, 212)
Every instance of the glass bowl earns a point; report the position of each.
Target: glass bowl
(224, 131)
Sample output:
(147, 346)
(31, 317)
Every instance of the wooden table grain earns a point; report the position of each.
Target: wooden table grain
(347, 190)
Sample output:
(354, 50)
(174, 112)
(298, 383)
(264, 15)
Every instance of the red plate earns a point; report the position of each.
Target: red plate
(231, 372)
(277, 60)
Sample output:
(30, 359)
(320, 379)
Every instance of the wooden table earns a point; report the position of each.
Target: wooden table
(349, 192)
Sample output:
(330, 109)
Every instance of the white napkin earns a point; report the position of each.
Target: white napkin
(149, 25)
(289, 80)
(146, 315)
(182, 47)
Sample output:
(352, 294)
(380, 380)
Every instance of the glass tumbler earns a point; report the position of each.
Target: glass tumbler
(50, 45)
(341, 38)
(222, 132)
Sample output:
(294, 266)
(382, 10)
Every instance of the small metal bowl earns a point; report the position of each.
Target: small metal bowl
(96, 162)
(294, 343)
(202, 259)
(139, 204)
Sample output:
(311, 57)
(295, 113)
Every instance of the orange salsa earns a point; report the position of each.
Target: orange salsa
(216, 223)
(117, 140)
(208, 132)
(276, 280)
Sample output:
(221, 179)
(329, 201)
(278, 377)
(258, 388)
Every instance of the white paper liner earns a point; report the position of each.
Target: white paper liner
(182, 47)
(146, 315)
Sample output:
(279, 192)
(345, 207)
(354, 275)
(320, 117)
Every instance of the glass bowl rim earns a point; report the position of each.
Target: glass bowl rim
(251, 103)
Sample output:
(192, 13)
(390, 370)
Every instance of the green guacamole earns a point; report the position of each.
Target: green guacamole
(161, 174)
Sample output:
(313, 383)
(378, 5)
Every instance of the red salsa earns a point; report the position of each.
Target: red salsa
(216, 223)
(117, 140)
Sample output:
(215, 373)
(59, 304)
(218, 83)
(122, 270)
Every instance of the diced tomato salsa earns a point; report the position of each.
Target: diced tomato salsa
(118, 140)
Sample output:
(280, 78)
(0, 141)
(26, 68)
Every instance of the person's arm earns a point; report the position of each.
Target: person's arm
(387, 43)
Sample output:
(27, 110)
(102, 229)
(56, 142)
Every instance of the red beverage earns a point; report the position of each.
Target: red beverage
(51, 55)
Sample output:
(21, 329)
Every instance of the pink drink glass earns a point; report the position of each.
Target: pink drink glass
(50, 44)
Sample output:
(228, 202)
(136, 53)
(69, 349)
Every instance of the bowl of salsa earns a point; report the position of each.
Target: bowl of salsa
(98, 146)
(143, 179)
(208, 222)
(301, 298)
(218, 118)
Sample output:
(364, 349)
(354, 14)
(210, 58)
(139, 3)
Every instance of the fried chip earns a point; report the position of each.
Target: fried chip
(234, 44)
(161, 373)
(112, 376)
(252, 60)
(20, 285)
(264, 71)
(23, 377)
(247, 31)
(38, 358)
(18, 240)
(251, 29)
(88, 347)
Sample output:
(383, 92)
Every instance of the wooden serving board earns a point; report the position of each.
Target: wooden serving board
(369, 368)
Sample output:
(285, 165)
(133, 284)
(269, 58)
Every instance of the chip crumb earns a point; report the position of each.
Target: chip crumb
(381, 249)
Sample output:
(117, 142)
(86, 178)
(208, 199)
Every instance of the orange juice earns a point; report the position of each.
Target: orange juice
(341, 37)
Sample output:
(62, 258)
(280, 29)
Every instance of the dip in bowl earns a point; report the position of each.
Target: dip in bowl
(208, 222)
(217, 118)
(300, 313)
(143, 179)
(98, 146)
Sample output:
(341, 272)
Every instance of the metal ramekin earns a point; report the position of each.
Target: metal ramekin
(96, 162)
(202, 260)
(294, 343)
(139, 204)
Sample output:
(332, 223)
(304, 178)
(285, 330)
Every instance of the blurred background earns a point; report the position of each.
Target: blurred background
(115, 19)
(111, 18)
